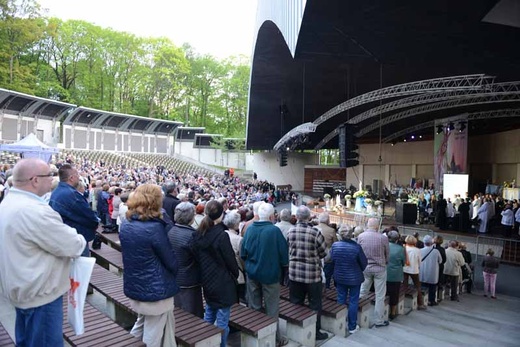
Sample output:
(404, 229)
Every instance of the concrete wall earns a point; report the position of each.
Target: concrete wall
(14, 128)
(79, 137)
(266, 165)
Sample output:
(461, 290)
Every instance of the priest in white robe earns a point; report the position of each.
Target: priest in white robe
(483, 215)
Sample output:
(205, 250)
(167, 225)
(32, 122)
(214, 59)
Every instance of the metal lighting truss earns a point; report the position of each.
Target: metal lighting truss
(469, 100)
(505, 113)
(466, 82)
(423, 99)
(299, 130)
(437, 84)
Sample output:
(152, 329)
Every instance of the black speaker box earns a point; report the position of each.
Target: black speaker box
(405, 213)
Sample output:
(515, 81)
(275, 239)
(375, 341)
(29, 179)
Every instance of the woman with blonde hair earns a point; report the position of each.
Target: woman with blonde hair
(150, 267)
(411, 269)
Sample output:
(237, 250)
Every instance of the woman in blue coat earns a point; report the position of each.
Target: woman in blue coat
(150, 267)
(348, 262)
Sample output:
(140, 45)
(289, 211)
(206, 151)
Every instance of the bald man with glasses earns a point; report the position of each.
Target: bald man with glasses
(35, 252)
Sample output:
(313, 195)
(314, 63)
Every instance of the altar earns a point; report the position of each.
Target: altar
(511, 193)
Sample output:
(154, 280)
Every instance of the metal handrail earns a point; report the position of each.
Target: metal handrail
(507, 250)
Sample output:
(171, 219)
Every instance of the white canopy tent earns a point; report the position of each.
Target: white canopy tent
(31, 147)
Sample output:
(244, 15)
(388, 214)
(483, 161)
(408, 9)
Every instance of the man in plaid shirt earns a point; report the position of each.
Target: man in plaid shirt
(306, 249)
(377, 250)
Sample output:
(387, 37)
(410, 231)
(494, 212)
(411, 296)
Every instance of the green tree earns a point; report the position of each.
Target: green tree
(20, 29)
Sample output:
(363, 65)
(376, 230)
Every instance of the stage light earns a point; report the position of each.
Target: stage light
(439, 129)
(420, 136)
(404, 139)
(413, 137)
(462, 126)
(451, 126)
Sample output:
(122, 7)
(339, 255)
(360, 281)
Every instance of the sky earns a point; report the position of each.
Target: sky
(221, 28)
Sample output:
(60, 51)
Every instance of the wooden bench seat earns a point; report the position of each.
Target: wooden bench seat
(100, 331)
(111, 239)
(190, 330)
(333, 315)
(108, 257)
(257, 331)
(256, 328)
(5, 339)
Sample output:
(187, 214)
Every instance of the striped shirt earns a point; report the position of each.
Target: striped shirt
(306, 249)
(376, 248)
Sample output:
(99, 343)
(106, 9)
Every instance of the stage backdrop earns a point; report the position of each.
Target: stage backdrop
(450, 149)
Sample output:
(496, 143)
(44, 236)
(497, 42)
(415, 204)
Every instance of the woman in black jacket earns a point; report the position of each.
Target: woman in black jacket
(219, 269)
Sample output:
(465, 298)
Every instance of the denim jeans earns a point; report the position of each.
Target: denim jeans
(343, 292)
(328, 269)
(40, 326)
(221, 317)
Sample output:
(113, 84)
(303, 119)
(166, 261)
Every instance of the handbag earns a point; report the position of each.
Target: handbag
(426, 256)
(80, 272)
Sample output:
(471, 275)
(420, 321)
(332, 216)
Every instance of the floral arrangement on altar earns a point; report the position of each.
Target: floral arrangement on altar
(511, 184)
(326, 196)
(361, 194)
(338, 209)
(368, 201)
(348, 197)
(378, 203)
(413, 200)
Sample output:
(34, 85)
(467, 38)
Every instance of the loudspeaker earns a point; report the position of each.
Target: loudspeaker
(405, 213)
(328, 190)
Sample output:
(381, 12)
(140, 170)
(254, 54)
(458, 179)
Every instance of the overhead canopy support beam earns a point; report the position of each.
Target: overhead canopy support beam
(505, 113)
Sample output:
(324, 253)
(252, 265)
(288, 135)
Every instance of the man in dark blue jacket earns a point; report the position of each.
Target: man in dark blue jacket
(72, 206)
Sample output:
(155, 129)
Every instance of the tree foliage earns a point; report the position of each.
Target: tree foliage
(81, 63)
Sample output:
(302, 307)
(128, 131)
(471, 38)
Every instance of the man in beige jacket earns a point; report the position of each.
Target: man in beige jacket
(35, 252)
(454, 260)
(330, 236)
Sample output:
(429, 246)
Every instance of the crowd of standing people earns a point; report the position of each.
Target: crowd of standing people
(203, 244)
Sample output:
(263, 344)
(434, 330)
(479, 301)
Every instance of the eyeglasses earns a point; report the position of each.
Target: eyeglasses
(50, 174)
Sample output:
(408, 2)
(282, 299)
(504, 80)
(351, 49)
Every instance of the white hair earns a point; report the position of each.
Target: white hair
(373, 224)
(256, 206)
(265, 211)
(324, 217)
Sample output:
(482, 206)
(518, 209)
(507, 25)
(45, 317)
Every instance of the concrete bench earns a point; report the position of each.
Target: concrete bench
(410, 294)
(365, 306)
(100, 331)
(190, 330)
(301, 323)
(5, 339)
(256, 328)
(333, 315)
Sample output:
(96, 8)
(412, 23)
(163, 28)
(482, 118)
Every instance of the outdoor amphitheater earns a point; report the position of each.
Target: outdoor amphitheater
(358, 110)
